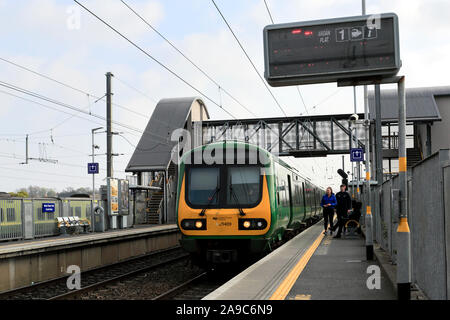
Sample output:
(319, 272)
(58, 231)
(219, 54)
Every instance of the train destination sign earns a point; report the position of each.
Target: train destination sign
(331, 50)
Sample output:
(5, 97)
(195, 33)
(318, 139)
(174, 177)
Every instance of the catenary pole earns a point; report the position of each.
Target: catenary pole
(109, 163)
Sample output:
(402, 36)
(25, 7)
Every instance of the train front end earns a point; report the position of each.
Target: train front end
(224, 206)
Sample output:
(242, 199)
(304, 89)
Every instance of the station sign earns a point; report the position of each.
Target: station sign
(93, 168)
(330, 50)
(48, 207)
(356, 154)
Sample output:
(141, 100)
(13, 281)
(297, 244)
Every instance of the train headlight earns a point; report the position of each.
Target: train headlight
(193, 224)
(252, 224)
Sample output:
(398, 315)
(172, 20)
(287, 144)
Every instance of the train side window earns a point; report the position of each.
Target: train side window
(1, 215)
(71, 212)
(78, 212)
(10, 214)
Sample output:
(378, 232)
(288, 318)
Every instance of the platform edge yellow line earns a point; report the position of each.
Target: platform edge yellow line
(283, 289)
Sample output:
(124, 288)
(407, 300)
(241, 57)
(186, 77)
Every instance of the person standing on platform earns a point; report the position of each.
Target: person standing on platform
(328, 204)
(344, 205)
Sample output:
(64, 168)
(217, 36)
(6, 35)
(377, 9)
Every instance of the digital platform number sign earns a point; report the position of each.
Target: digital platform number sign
(331, 50)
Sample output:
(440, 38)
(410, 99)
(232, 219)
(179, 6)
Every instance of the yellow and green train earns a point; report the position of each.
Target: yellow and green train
(236, 200)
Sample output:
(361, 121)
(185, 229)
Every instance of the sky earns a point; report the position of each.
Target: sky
(59, 39)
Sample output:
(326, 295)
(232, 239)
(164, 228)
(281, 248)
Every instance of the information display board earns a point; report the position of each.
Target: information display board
(331, 50)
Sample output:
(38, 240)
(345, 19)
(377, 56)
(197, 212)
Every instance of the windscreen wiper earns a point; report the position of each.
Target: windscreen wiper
(202, 213)
(241, 212)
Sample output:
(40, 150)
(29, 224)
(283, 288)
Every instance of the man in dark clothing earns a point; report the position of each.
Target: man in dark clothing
(344, 205)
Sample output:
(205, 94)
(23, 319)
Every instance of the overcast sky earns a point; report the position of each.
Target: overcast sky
(47, 37)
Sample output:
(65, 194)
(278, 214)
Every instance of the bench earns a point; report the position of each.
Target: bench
(72, 224)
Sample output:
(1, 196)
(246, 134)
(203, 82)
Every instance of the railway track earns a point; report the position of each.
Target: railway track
(99, 277)
(194, 289)
(200, 286)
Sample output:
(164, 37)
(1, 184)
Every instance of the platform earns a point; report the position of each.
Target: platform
(23, 263)
(14, 248)
(311, 266)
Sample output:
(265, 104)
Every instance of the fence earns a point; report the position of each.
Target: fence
(24, 218)
(429, 221)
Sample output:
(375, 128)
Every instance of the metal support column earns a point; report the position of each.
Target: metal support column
(378, 139)
(93, 177)
(109, 163)
(368, 217)
(428, 139)
(403, 232)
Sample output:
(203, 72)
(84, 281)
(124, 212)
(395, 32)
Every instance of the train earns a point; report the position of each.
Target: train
(237, 201)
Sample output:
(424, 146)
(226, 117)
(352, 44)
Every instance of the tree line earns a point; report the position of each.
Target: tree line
(41, 192)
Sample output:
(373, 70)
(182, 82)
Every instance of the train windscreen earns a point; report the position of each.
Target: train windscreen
(243, 185)
(203, 185)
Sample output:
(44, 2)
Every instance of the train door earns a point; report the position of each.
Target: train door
(291, 213)
(304, 200)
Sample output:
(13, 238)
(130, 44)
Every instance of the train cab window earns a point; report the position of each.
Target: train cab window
(245, 186)
(203, 186)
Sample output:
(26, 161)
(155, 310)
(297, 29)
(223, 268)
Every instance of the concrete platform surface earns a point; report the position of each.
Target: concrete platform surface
(7, 249)
(338, 270)
(310, 266)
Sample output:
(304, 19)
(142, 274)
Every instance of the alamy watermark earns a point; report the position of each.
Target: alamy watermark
(374, 279)
(74, 280)
(73, 21)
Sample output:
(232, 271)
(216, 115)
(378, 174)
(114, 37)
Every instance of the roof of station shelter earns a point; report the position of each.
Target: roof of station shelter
(420, 104)
(153, 151)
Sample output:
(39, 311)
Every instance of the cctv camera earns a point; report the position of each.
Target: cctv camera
(354, 117)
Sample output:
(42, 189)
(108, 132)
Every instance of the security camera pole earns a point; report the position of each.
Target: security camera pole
(368, 217)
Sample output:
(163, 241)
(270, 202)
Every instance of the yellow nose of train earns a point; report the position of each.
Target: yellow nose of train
(224, 221)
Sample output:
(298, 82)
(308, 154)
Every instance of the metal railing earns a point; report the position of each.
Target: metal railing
(23, 218)
(429, 212)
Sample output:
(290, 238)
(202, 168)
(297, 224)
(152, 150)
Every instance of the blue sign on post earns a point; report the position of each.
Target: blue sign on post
(48, 207)
(93, 167)
(356, 154)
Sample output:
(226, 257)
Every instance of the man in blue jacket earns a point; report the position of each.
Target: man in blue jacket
(328, 204)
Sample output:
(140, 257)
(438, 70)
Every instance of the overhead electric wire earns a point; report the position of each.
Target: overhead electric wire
(135, 89)
(51, 100)
(298, 89)
(268, 11)
(43, 172)
(249, 59)
(154, 59)
(186, 57)
(303, 101)
(142, 136)
(70, 86)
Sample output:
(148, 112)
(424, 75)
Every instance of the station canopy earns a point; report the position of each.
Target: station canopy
(153, 151)
(420, 104)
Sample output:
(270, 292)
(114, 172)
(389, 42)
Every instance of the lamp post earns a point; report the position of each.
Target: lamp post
(93, 175)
